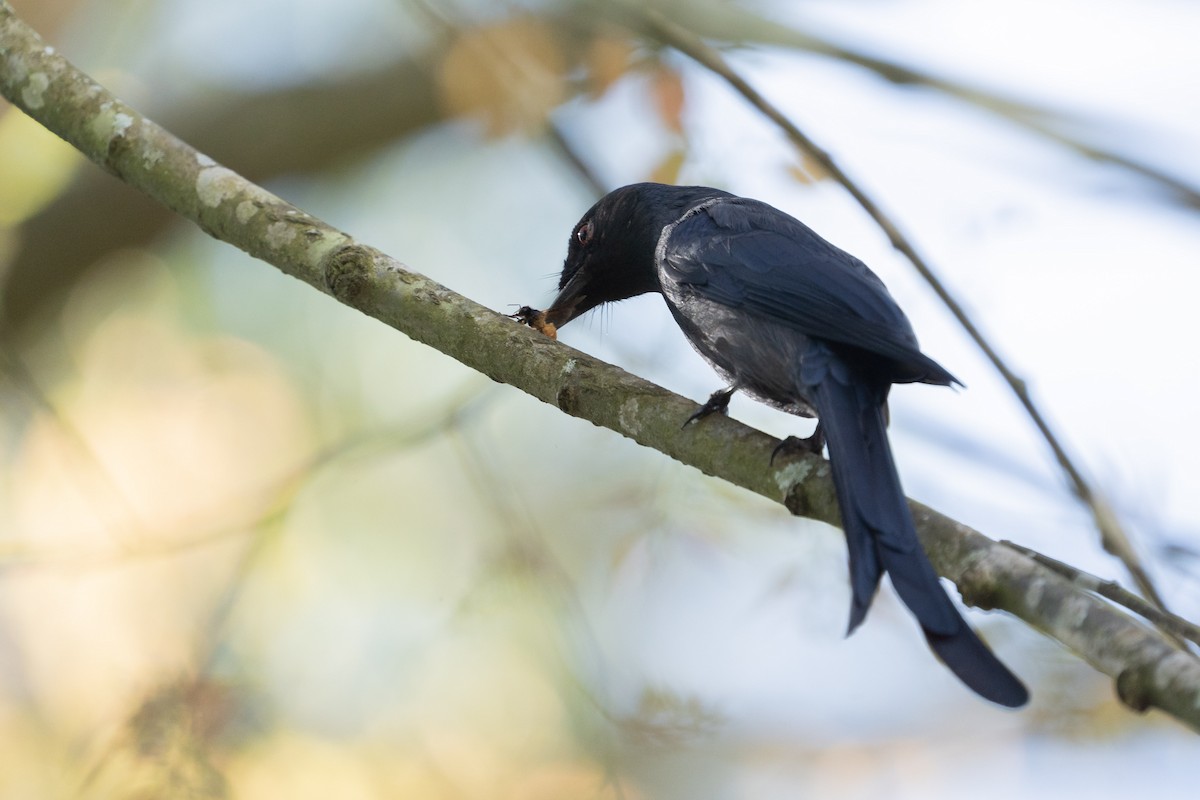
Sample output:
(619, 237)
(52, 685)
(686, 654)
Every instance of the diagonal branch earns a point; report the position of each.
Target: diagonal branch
(1112, 534)
(1148, 670)
(253, 131)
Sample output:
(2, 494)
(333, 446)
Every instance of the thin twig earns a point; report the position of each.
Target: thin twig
(1176, 626)
(563, 145)
(736, 23)
(1112, 535)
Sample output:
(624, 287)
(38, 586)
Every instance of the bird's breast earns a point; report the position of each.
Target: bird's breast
(761, 358)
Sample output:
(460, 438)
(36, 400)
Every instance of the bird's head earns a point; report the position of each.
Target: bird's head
(611, 253)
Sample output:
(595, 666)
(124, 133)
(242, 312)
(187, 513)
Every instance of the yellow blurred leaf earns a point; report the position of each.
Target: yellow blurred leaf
(302, 767)
(667, 170)
(666, 89)
(160, 437)
(808, 170)
(607, 59)
(571, 780)
(36, 165)
(511, 74)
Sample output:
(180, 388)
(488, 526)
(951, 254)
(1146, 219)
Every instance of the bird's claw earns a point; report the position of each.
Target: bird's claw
(717, 403)
(797, 445)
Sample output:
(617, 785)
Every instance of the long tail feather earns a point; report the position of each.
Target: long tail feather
(881, 538)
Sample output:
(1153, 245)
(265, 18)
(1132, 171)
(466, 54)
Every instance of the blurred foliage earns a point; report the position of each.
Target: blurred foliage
(252, 548)
(36, 166)
(510, 74)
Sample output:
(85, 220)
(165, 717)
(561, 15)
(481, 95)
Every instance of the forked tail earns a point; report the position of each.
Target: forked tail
(881, 538)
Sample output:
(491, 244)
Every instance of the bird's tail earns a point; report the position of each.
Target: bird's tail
(881, 538)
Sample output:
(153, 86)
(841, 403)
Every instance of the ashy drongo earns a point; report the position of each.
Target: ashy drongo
(797, 323)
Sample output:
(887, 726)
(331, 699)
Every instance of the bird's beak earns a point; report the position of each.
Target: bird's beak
(570, 303)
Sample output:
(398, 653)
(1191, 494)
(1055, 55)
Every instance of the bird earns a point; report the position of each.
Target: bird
(795, 322)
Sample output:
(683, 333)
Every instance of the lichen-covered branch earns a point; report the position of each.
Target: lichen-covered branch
(1149, 671)
(345, 118)
(1172, 624)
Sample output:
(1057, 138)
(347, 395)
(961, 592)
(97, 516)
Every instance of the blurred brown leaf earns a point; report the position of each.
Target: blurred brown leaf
(47, 17)
(167, 747)
(665, 718)
(608, 59)
(510, 73)
(807, 170)
(667, 170)
(666, 89)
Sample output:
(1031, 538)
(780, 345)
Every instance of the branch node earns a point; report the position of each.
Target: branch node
(978, 590)
(568, 398)
(1132, 688)
(799, 495)
(796, 501)
(347, 270)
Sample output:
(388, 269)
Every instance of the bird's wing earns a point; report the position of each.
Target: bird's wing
(747, 255)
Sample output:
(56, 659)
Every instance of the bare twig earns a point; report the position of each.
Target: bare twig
(1178, 627)
(1112, 535)
(738, 23)
(1149, 670)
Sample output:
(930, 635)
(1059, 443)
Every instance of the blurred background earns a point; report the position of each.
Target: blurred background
(255, 545)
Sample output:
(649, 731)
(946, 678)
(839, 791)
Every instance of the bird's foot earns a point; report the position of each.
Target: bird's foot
(717, 403)
(796, 445)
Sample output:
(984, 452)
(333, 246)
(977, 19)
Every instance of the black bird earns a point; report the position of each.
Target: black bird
(797, 323)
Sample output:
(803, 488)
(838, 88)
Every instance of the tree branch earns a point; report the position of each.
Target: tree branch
(1178, 627)
(1149, 671)
(253, 132)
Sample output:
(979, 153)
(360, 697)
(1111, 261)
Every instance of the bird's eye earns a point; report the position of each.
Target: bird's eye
(584, 234)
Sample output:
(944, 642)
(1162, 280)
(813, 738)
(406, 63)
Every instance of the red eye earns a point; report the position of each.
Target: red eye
(584, 234)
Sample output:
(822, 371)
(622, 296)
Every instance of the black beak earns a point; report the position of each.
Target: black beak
(570, 303)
